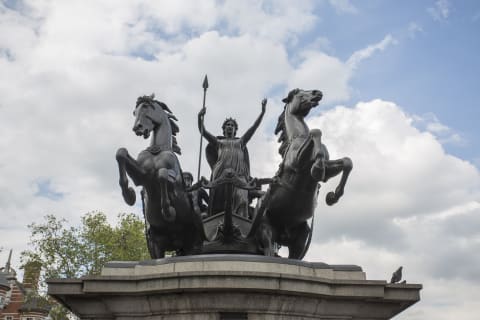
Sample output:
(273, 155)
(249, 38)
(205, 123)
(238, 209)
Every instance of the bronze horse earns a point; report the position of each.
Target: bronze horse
(292, 196)
(171, 222)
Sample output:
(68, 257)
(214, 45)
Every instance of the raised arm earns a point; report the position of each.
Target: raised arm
(207, 135)
(249, 133)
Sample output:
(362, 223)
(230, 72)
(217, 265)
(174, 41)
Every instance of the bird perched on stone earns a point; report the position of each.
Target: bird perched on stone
(397, 275)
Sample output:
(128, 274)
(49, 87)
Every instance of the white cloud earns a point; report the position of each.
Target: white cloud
(321, 44)
(437, 300)
(445, 134)
(75, 71)
(452, 301)
(414, 29)
(277, 20)
(398, 159)
(319, 70)
(407, 203)
(462, 209)
(437, 127)
(343, 6)
(363, 54)
(440, 11)
(68, 95)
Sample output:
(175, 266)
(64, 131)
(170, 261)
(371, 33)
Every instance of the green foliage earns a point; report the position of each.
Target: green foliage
(57, 248)
(72, 252)
(58, 312)
(129, 239)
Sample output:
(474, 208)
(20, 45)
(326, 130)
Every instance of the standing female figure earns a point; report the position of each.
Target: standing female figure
(229, 152)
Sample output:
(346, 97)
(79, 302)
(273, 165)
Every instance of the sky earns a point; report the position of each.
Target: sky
(400, 83)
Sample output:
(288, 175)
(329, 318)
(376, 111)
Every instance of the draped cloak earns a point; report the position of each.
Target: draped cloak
(228, 153)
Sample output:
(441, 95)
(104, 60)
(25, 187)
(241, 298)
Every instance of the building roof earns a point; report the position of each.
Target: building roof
(26, 299)
(3, 280)
(35, 304)
(7, 273)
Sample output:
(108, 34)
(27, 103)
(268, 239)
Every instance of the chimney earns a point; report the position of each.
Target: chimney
(31, 275)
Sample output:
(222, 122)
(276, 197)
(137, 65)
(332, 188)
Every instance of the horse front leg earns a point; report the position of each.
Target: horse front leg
(320, 156)
(127, 164)
(156, 243)
(334, 167)
(264, 238)
(168, 211)
(299, 241)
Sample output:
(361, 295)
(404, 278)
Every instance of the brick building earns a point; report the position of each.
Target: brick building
(19, 300)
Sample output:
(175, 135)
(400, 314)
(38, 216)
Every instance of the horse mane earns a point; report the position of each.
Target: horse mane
(280, 128)
(283, 137)
(171, 118)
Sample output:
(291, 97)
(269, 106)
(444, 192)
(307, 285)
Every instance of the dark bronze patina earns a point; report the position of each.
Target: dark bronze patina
(171, 222)
(228, 152)
(175, 210)
(292, 196)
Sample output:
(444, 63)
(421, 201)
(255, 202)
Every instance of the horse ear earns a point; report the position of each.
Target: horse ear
(290, 95)
(152, 96)
(287, 98)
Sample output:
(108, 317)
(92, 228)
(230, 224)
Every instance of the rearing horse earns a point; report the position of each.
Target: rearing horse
(170, 219)
(292, 196)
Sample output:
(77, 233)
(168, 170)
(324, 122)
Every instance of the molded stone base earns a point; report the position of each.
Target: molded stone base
(214, 287)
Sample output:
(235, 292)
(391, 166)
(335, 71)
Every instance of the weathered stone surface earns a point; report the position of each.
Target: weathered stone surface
(205, 287)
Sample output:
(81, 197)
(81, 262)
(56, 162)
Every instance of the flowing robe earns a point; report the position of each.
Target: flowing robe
(229, 153)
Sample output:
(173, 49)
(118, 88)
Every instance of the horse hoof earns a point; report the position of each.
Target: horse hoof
(170, 214)
(318, 170)
(331, 199)
(129, 196)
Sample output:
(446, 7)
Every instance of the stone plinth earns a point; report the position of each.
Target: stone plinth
(232, 287)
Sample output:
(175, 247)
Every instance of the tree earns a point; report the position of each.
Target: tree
(72, 252)
(59, 249)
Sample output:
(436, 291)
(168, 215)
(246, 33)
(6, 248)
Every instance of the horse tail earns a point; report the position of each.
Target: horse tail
(309, 240)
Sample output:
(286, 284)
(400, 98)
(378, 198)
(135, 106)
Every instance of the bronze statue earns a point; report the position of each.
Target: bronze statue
(175, 210)
(292, 196)
(172, 224)
(198, 196)
(229, 152)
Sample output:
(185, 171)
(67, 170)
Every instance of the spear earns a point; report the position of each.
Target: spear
(205, 87)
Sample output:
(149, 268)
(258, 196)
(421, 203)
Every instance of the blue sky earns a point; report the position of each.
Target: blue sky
(400, 83)
(433, 67)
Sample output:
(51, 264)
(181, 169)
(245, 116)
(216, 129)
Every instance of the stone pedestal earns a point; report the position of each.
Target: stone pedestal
(232, 287)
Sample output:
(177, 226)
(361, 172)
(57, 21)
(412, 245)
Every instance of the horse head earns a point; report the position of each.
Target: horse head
(146, 116)
(302, 101)
(150, 115)
(298, 104)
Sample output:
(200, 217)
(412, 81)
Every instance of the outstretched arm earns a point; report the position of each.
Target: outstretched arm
(207, 135)
(248, 135)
